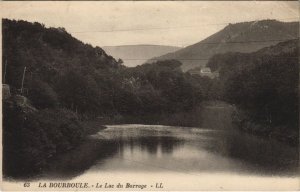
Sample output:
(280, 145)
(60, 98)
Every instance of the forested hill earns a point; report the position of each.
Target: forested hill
(235, 60)
(60, 70)
(264, 85)
(240, 37)
(62, 81)
(63, 72)
(47, 53)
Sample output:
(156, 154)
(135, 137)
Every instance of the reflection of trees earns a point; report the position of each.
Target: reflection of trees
(81, 158)
(265, 155)
(151, 144)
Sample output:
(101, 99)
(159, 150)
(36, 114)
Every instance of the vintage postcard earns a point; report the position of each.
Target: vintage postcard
(150, 95)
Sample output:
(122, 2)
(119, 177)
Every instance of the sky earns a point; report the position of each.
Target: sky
(176, 23)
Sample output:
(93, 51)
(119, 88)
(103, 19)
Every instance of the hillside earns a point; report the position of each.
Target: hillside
(238, 61)
(240, 37)
(67, 83)
(264, 87)
(133, 55)
(46, 53)
(57, 66)
(62, 71)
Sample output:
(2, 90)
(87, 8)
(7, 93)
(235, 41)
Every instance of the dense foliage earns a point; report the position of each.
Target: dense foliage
(161, 87)
(31, 138)
(65, 76)
(63, 72)
(264, 85)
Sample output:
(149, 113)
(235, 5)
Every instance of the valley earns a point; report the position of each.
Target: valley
(72, 110)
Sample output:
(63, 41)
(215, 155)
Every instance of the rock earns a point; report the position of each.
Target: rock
(21, 102)
(5, 92)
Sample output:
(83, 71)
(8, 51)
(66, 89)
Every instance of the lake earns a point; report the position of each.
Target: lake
(212, 156)
(181, 158)
(181, 149)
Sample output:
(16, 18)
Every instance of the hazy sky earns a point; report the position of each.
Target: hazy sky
(178, 23)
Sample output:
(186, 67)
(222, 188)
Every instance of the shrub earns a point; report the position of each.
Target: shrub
(31, 139)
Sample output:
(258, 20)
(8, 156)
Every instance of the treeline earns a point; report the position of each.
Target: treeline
(63, 72)
(162, 87)
(67, 81)
(264, 87)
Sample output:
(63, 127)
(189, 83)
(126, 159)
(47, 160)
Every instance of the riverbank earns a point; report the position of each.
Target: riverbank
(33, 138)
(209, 114)
(92, 126)
(221, 115)
(282, 133)
(79, 159)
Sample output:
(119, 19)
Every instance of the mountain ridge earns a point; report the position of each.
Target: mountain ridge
(240, 37)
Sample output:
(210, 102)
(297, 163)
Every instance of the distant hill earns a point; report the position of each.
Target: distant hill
(240, 37)
(133, 55)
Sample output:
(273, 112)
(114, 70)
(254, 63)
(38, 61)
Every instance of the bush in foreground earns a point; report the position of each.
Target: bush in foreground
(30, 139)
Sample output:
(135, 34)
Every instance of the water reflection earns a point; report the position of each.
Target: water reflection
(265, 156)
(151, 144)
(135, 148)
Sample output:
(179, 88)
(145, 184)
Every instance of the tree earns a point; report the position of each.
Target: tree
(42, 95)
(120, 61)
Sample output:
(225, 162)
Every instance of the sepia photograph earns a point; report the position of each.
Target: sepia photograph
(150, 95)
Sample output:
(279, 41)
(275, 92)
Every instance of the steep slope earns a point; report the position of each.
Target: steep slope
(60, 76)
(241, 37)
(133, 55)
(46, 52)
(60, 70)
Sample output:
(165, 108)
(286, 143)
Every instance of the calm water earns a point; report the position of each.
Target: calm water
(216, 148)
(152, 148)
(180, 158)
(212, 157)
